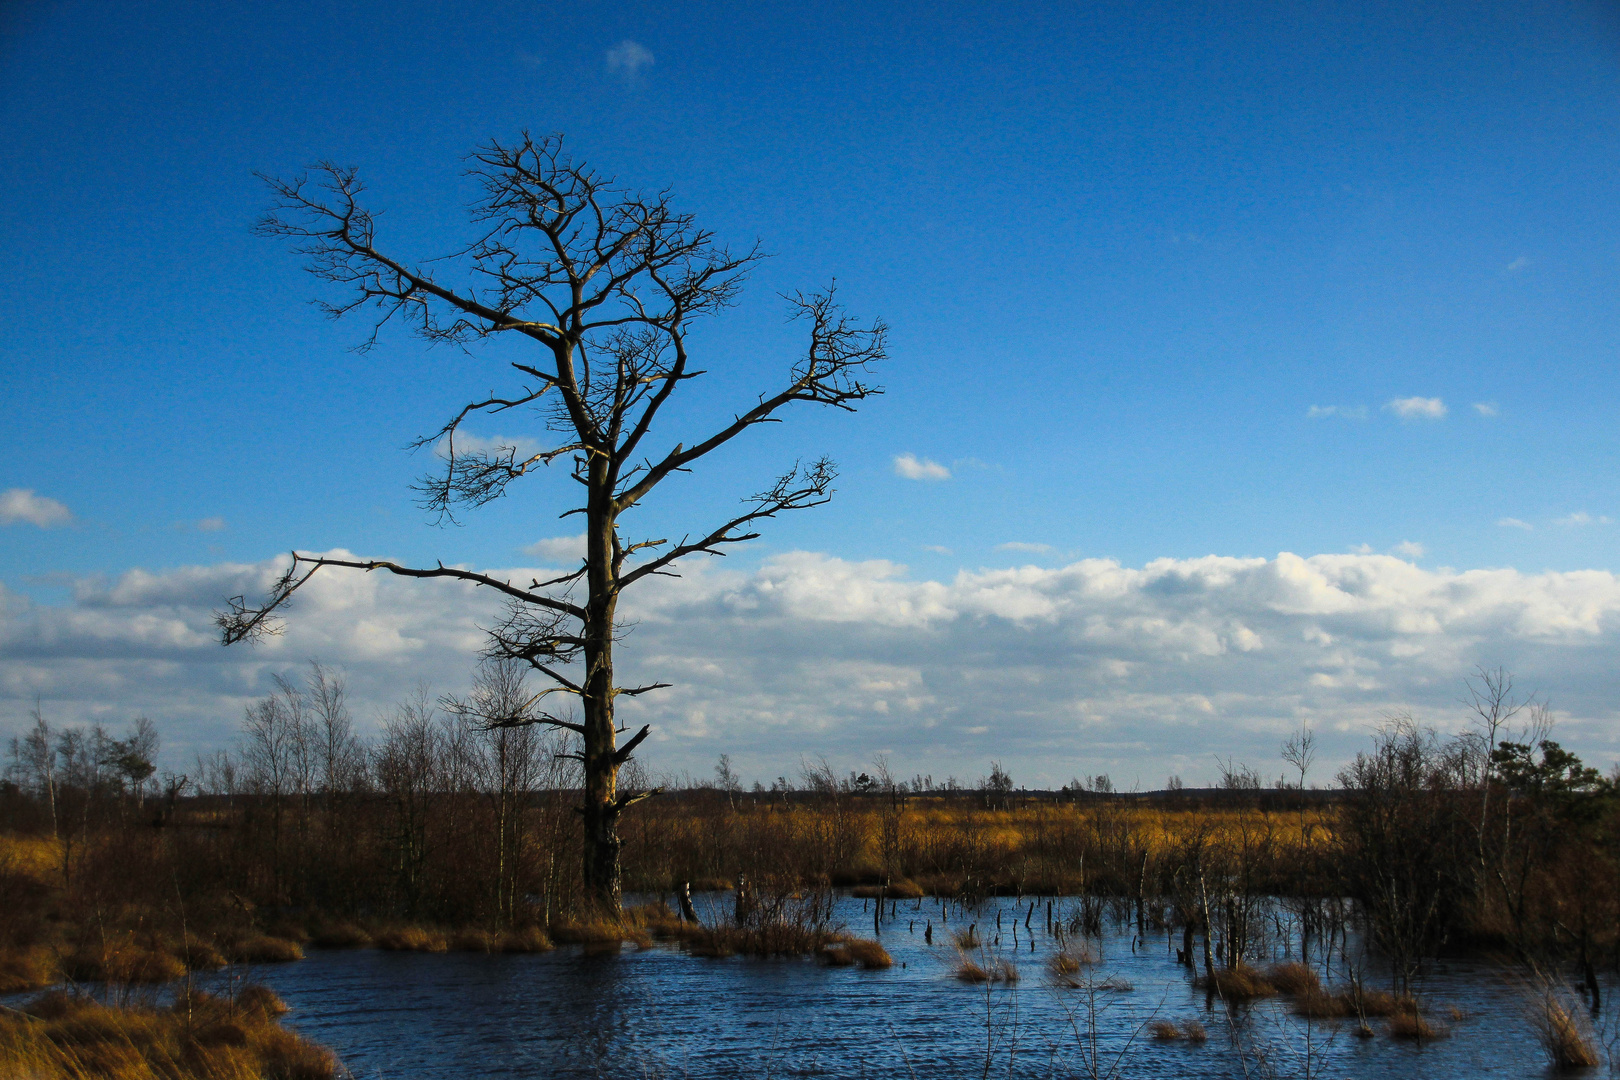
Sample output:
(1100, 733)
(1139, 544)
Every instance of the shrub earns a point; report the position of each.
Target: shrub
(529, 939)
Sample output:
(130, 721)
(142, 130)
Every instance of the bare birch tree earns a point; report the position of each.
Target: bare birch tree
(605, 285)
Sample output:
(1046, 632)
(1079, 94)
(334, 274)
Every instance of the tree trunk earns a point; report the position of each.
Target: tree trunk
(601, 808)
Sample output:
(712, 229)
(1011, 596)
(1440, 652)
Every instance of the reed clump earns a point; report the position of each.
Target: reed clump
(1240, 983)
(63, 1037)
(1414, 1025)
(1164, 1030)
(1294, 979)
(412, 939)
(861, 952)
(263, 949)
(527, 939)
(1563, 1032)
(998, 969)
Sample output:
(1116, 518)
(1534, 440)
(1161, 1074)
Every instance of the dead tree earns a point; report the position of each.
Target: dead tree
(605, 284)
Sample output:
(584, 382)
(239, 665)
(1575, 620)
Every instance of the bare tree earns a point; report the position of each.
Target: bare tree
(1300, 751)
(605, 284)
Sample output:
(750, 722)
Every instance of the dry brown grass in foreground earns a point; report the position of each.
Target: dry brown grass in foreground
(59, 1037)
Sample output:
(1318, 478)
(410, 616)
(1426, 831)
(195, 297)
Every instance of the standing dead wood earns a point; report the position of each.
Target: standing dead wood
(604, 284)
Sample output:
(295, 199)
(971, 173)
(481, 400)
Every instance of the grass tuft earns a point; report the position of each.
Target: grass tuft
(1241, 983)
(1563, 1032)
(859, 951)
(1294, 979)
(341, 936)
(263, 949)
(413, 939)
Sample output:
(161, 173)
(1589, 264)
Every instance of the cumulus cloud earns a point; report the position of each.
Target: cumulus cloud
(627, 58)
(1418, 408)
(21, 505)
(1515, 523)
(913, 467)
(1579, 518)
(1344, 412)
(558, 548)
(1410, 549)
(1487, 408)
(1021, 545)
(1152, 669)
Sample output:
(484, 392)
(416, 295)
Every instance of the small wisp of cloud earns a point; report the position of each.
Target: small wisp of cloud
(627, 58)
(1418, 408)
(913, 467)
(1343, 412)
(1580, 518)
(1515, 523)
(22, 506)
(1028, 548)
(1516, 265)
(1487, 409)
(1409, 549)
(558, 548)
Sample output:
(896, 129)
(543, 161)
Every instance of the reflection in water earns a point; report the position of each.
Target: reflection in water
(659, 1013)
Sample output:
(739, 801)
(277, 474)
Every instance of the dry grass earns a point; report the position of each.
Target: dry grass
(529, 939)
(1563, 1031)
(1193, 1031)
(1071, 958)
(60, 1037)
(412, 939)
(904, 889)
(859, 951)
(27, 969)
(1294, 979)
(1164, 1031)
(998, 969)
(1413, 1025)
(125, 962)
(1241, 983)
(263, 949)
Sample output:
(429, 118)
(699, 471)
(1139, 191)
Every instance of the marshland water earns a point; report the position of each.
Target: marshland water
(656, 1012)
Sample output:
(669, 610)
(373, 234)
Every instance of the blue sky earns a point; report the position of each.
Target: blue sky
(1156, 274)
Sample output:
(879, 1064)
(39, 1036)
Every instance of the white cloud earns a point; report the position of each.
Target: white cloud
(811, 654)
(1418, 408)
(1020, 545)
(913, 467)
(1515, 523)
(1344, 412)
(521, 447)
(211, 524)
(1487, 408)
(558, 548)
(937, 549)
(627, 58)
(22, 505)
(1579, 518)
(1517, 264)
(1410, 549)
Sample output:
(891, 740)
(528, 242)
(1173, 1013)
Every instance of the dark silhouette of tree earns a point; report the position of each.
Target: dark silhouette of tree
(604, 284)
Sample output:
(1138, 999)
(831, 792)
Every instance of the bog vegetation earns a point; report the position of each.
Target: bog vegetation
(444, 832)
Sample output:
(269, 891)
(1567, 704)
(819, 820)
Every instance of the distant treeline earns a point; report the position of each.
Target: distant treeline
(1495, 838)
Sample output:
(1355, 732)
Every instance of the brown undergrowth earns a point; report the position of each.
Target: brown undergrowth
(199, 1037)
